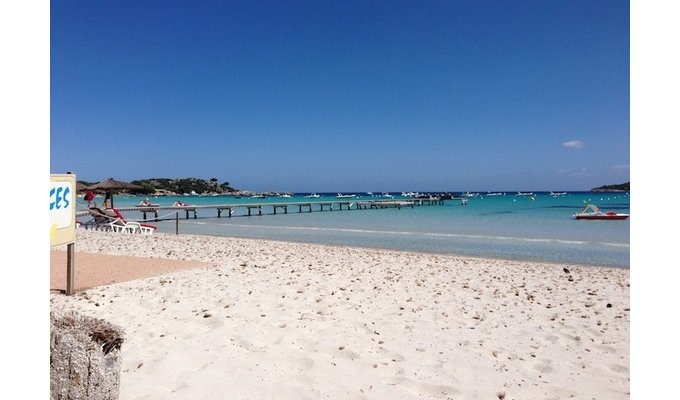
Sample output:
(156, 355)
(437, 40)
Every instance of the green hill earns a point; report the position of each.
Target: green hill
(184, 185)
(621, 187)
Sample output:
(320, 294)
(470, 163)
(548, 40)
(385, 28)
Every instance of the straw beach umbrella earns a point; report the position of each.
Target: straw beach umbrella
(110, 185)
(80, 187)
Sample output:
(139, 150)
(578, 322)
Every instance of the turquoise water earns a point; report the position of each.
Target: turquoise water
(510, 226)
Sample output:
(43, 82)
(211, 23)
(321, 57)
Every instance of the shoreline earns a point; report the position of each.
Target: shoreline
(297, 320)
(359, 247)
(424, 252)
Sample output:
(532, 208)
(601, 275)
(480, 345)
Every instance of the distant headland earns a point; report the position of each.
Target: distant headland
(621, 187)
(173, 187)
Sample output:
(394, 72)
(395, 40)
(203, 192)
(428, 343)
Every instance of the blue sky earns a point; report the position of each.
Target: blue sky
(343, 96)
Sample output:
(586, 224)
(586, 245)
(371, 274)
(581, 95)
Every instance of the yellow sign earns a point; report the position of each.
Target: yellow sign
(62, 209)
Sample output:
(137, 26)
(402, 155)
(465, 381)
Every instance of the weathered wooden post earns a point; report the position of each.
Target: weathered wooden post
(70, 269)
(85, 358)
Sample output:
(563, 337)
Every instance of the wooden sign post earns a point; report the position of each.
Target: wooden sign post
(63, 221)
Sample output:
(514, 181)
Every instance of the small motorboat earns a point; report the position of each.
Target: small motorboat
(591, 211)
(147, 203)
(345, 196)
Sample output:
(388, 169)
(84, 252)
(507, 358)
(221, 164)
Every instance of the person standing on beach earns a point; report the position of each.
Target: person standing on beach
(107, 200)
(89, 197)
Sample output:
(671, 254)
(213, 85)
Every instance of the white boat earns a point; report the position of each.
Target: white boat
(495, 194)
(558, 194)
(313, 196)
(387, 195)
(146, 203)
(524, 194)
(345, 196)
(593, 212)
(285, 196)
(470, 195)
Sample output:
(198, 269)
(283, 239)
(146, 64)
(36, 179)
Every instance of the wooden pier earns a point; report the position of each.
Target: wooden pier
(250, 209)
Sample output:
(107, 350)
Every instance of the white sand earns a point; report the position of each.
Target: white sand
(296, 321)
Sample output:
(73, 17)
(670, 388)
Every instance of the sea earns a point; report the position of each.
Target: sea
(534, 227)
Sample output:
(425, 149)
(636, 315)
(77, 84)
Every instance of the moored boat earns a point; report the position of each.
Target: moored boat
(147, 203)
(593, 212)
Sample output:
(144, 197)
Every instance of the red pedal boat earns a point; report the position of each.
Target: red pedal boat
(591, 211)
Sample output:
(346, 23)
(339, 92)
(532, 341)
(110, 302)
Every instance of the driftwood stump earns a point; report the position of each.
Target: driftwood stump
(85, 359)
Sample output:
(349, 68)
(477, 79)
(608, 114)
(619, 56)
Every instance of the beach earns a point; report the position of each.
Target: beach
(263, 319)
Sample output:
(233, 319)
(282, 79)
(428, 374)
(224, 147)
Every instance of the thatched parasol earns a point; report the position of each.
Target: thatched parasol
(110, 185)
(80, 187)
